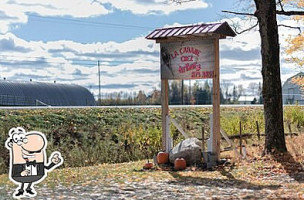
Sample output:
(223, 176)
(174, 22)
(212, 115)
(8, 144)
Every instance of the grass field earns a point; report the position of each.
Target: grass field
(94, 141)
(257, 177)
(93, 136)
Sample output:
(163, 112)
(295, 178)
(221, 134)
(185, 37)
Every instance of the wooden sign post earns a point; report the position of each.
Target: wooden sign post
(191, 52)
(165, 112)
(216, 101)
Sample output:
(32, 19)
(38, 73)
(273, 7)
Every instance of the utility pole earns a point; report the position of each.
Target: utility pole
(99, 94)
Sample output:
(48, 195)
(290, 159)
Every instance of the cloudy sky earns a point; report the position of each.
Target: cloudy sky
(62, 40)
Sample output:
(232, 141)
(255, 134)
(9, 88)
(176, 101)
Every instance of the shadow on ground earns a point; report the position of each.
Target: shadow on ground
(230, 182)
(294, 169)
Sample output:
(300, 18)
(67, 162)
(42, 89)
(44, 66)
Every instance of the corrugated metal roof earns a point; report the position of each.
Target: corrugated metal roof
(222, 29)
(54, 94)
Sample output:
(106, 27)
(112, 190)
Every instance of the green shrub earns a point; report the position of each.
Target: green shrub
(95, 135)
(294, 115)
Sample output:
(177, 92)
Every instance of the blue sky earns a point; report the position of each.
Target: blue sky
(100, 28)
(62, 40)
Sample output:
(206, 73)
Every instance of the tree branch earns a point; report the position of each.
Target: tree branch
(281, 5)
(248, 29)
(294, 27)
(289, 13)
(181, 1)
(238, 13)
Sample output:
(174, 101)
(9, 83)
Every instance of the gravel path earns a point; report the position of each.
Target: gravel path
(198, 188)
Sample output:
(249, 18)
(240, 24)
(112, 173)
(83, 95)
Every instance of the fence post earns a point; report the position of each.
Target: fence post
(258, 129)
(289, 127)
(240, 137)
(203, 139)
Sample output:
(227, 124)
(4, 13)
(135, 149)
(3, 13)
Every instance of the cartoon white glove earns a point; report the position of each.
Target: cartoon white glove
(25, 172)
(56, 158)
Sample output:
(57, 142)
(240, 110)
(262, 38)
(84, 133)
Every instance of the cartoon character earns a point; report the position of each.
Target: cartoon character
(28, 160)
(165, 56)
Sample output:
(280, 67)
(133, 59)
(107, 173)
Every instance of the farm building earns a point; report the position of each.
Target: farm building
(292, 92)
(248, 99)
(43, 94)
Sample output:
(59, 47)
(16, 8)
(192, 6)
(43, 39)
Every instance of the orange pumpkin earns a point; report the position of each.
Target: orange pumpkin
(180, 164)
(162, 157)
(148, 165)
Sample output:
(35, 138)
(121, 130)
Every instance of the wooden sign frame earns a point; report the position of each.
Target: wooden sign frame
(191, 34)
(216, 104)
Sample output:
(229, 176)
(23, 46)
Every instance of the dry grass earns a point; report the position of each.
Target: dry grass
(295, 146)
(257, 167)
(280, 177)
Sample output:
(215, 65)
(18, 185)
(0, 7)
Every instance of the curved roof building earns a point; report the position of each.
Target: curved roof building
(292, 91)
(38, 94)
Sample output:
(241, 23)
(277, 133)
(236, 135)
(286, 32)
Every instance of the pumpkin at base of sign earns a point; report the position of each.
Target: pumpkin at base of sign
(162, 157)
(148, 165)
(180, 164)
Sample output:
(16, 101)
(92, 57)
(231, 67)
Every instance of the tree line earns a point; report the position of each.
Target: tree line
(199, 93)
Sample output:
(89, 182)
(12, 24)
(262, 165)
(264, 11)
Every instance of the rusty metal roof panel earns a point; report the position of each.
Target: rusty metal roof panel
(187, 30)
(215, 27)
(194, 30)
(151, 35)
(160, 33)
(173, 31)
(208, 28)
(202, 27)
(165, 34)
(179, 32)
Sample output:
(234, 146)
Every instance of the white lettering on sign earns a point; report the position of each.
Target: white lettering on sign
(187, 60)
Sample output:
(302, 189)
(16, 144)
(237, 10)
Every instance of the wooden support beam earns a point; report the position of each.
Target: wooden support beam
(165, 111)
(216, 101)
(179, 128)
(238, 155)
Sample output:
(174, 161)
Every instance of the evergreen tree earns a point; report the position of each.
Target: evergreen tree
(174, 93)
(141, 98)
(234, 94)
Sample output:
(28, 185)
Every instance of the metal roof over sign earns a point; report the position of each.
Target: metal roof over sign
(200, 30)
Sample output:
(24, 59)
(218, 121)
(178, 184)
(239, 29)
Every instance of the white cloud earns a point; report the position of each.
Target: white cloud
(125, 66)
(145, 7)
(250, 42)
(133, 63)
(16, 11)
(75, 8)
(246, 41)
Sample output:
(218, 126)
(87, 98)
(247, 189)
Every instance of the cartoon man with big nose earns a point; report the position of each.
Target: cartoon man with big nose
(27, 160)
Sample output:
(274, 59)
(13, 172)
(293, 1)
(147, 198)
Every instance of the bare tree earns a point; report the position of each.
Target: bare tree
(225, 86)
(266, 12)
(254, 88)
(240, 90)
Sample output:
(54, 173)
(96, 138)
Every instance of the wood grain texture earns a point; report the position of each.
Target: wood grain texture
(165, 110)
(216, 100)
